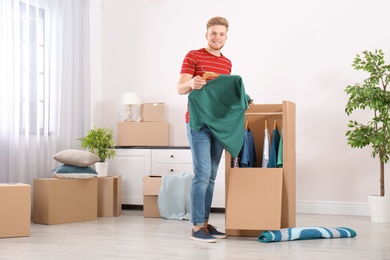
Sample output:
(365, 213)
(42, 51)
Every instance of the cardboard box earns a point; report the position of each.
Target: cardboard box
(151, 188)
(259, 198)
(59, 201)
(109, 196)
(249, 186)
(153, 112)
(143, 134)
(15, 210)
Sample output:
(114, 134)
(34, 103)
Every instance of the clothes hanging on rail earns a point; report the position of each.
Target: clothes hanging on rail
(248, 152)
(235, 162)
(266, 149)
(221, 105)
(274, 148)
(279, 162)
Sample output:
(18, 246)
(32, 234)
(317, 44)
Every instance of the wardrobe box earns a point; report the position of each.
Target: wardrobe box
(109, 196)
(143, 134)
(151, 187)
(58, 201)
(153, 112)
(257, 198)
(15, 210)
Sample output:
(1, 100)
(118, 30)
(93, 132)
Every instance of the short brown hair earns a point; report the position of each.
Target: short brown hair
(217, 21)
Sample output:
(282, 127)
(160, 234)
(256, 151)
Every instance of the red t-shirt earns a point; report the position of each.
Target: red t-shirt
(197, 62)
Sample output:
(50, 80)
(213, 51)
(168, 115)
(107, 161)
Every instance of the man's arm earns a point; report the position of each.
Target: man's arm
(187, 83)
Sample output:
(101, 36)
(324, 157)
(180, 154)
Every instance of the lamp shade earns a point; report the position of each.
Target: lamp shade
(130, 98)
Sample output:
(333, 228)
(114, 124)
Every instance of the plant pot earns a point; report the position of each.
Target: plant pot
(379, 208)
(101, 168)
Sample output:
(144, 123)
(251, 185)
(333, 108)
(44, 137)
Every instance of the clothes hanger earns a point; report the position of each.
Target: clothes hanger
(247, 125)
(209, 74)
(274, 123)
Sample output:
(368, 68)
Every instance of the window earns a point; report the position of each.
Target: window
(32, 69)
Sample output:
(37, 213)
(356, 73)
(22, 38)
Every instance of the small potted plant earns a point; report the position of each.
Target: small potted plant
(372, 94)
(100, 141)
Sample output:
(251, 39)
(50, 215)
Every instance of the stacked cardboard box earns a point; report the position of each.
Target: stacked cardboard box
(15, 210)
(152, 131)
(153, 112)
(151, 187)
(109, 196)
(58, 201)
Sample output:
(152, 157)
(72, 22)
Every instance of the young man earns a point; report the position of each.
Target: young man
(205, 148)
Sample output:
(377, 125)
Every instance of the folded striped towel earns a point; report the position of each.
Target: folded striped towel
(302, 233)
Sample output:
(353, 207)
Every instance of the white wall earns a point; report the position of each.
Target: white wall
(299, 51)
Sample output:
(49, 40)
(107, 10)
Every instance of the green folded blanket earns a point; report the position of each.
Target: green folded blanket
(302, 233)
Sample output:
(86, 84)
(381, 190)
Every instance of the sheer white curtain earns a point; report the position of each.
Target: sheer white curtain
(44, 84)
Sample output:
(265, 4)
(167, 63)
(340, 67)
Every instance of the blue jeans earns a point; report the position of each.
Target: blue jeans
(206, 154)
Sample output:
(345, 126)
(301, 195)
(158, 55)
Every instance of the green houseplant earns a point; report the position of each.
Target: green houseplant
(100, 141)
(371, 94)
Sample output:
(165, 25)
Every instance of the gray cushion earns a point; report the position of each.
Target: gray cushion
(76, 157)
(74, 172)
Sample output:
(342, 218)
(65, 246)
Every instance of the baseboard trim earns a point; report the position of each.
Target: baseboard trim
(333, 208)
(309, 207)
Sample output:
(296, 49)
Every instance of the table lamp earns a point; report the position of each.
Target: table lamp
(131, 111)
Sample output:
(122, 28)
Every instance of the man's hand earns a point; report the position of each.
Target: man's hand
(250, 103)
(197, 82)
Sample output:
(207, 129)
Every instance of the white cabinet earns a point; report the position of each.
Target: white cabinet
(134, 163)
(170, 161)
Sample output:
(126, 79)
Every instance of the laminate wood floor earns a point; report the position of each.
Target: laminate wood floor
(131, 236)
